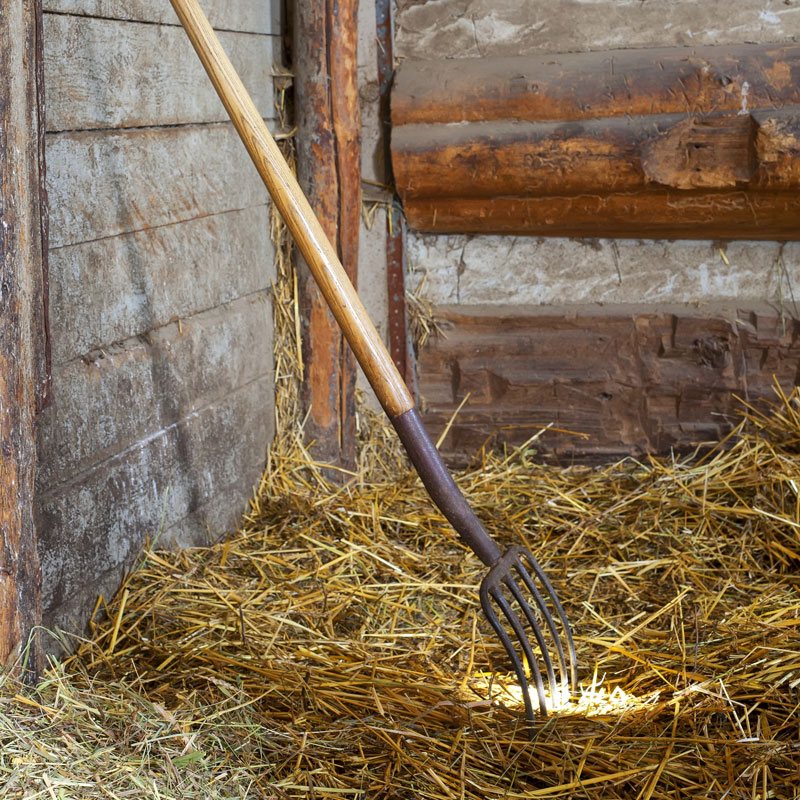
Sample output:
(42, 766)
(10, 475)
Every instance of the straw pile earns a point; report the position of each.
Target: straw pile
(333, 647)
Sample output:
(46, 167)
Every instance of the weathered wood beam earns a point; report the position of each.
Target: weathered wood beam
(572, 86)
(329, 169)
(611, 380)
(665, 143)
(22, 345)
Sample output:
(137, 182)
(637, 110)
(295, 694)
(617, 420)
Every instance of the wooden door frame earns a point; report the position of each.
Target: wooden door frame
(329, 170)
(23, 331)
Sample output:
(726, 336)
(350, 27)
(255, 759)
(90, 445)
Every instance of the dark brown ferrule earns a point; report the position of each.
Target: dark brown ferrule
(442, 488)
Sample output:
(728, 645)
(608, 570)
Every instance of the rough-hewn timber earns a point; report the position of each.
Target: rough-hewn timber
(676, 143)
(163, 401)
(105, 73)
(329, 170)
(612, 380)
(22, 343)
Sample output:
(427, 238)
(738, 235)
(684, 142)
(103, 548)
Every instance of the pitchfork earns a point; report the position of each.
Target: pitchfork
(516, 596)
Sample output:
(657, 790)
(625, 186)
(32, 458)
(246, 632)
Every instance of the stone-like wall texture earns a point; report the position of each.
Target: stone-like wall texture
(160, 275)
(471, 28)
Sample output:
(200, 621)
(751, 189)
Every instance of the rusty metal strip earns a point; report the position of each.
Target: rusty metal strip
(395, 248)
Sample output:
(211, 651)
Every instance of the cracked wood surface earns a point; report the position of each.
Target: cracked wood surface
(329, 172)
(665, 143)
(611, 380)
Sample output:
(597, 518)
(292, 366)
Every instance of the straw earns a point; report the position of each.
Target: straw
(346, 619)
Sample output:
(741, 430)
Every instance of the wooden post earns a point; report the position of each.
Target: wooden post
(22, 363)
(329, 170)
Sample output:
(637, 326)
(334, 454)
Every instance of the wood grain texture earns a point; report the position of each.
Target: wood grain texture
(250, 16)
(753, 152)
(105, 183)
(108, 74)
(152, 486)
(585, 86)
(661, 215)
(328, 165)
(704, 144)
(612, 380)
(111, 289)
(167, 374)
(21, 334)
(295, 209)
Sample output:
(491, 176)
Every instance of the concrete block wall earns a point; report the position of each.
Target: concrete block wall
(160, 275)
(479, 270)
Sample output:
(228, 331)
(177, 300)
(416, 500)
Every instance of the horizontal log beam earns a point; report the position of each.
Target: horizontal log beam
(657, 215)
(695, 146)
(613, 381)
(619, 154)
(574, 86)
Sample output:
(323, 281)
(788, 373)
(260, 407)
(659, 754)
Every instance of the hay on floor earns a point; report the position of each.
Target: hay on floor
(344, 623)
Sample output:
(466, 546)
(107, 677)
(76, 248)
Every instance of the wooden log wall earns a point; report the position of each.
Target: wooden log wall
(329, 170)
(161, 266)
(659, 143)
(22, 338)
(611, 381)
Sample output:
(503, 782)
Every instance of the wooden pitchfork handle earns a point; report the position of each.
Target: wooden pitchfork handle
(338, 291)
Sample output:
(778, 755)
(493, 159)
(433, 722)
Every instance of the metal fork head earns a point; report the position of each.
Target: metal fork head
(523, 609)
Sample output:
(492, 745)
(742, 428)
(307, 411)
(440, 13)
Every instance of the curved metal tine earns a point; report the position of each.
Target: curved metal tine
(541, 575)
(519, 668)
(548, 617)
(519, 631)
(516, 593)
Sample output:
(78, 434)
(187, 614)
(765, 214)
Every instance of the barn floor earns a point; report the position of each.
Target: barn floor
(333, 647)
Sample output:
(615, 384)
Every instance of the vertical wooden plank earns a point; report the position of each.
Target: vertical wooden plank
(328, 154)
(21, 312)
